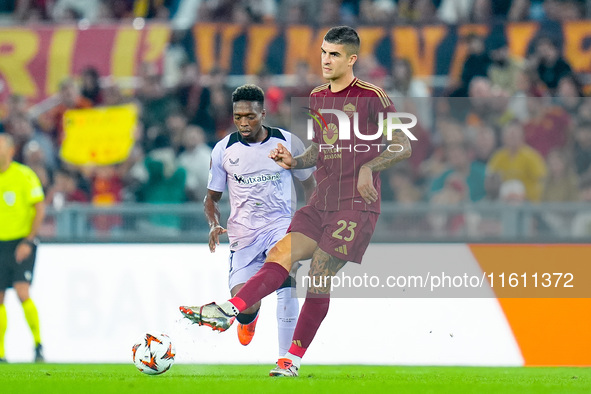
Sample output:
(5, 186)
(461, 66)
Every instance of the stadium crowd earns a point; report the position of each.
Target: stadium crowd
(508, 129)
(184, 13)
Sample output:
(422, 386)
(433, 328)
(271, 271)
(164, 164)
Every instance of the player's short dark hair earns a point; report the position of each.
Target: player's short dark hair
(344, 35)
(248, 92)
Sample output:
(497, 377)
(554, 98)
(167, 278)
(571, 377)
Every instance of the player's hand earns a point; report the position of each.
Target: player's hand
(214, 236)
(365, 185)
(282, 157)
(23, 250)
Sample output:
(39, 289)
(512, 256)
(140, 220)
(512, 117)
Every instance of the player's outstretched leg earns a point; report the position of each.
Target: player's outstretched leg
(221, 317)
(210, 315)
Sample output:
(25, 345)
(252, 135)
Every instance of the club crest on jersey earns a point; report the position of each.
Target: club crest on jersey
(349, 109)
(9, 198)
(234, 162)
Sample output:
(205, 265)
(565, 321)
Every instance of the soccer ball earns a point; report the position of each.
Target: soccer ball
(153, 354)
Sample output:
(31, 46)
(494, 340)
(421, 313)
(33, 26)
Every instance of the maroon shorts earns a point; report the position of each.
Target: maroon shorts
(343, 234)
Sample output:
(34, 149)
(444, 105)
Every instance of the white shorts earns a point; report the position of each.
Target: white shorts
(246, 262)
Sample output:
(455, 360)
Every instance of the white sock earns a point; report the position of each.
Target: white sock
(288, 308)
(229, 308)
(295, 360)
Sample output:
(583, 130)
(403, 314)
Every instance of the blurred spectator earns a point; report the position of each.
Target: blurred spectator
(455, 11)
(484, 143)
(416, 11)
(520, 10)
(563, 10)
(221, 105)
(176, 125)
(403, 82)
(569, 94)
(152, 9)
(34, 158)
(461, 165)
(488, 105)
(475, 65)
(164, 182)
(330, 13)
(15, 105)
(453, 194)
(194, 98)
(516, 160)
(195, 160)
(399, 180)
(562, 183)
(373, 12)
(23, 131)
(217, 11)
(185, 14)
(91, 85)
(504, 69)
(582, 148)
(155, 100)
(68, 10)
(70, 98)
(112, 95)
(548, 126)
(478, 60)
(261, 11)
(33, 10)
(106, 190)
(274, 95)
(548, 62)
(65, 189)
(305, 81)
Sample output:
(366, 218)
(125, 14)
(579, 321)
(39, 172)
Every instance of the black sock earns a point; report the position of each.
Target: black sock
(246, 318)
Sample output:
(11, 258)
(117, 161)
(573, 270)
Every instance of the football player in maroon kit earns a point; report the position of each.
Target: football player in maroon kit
(338, 222)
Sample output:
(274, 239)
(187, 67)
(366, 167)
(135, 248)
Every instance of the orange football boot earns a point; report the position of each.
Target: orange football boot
(246, 331)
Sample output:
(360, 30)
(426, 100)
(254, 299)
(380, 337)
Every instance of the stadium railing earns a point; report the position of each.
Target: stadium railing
(420, 222)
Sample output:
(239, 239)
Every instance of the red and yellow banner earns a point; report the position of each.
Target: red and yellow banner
(33, 60)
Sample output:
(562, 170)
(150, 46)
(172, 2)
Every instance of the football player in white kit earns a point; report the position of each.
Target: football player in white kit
(262, 200)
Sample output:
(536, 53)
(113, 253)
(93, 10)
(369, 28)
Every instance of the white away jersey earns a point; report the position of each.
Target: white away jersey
(260, 190)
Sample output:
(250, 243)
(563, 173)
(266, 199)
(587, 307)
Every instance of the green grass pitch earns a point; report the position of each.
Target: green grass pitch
(341, 379)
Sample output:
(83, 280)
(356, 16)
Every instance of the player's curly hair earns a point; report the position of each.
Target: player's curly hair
(248, 92)
(344, 35)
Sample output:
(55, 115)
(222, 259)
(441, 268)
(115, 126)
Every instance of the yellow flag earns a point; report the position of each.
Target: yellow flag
(98, 136)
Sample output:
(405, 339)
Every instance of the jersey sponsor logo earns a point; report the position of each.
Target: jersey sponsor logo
(234, 162)
(251, 180)
(9, 198)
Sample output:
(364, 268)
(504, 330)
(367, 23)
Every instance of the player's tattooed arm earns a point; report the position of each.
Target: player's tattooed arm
(398, 150)
(284, 159)
(323, 266)
(307, 159)
(212, 213)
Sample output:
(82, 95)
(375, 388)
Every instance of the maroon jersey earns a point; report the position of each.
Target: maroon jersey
(339, 160)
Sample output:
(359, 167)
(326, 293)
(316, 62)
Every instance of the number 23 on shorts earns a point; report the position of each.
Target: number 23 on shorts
(348, 228)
